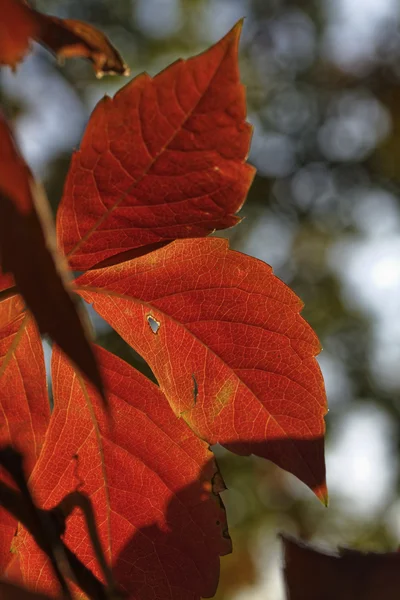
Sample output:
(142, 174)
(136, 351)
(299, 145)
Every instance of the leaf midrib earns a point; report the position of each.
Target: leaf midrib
(109, 211)
(141, 303)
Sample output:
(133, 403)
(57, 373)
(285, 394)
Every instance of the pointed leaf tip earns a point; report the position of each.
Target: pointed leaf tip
(322, 494)
(236, 30)
(232, 38)
(222, 305)
(181, 136)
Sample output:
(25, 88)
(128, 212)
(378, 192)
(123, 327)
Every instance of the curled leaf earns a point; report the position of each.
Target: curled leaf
(69, 38)
(65, 37)
(18, 26)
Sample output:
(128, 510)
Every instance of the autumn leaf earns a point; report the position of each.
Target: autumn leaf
(11, 304)
(65, 37)
(69, 38)
(164, 159)
(227, 345)
(11, 591)
(17, 27)
(47, 527)
(24, 404)
(154, 486)
(348, 575)
(23, 391)
(26, 251)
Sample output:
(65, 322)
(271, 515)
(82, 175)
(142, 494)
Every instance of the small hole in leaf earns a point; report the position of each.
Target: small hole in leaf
(154, 324)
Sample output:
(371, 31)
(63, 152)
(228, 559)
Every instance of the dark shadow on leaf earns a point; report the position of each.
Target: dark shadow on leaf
(25, 253)
(180, 558)
(280, 451)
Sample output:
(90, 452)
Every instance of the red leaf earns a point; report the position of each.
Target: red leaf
(26, 252)
(11, 305)
(10, 591)
(162, 160)
(351, 575)
(24, 404)
(17, 27)
(71, 38)
(150, 480)
(226, 342)
(65, 37)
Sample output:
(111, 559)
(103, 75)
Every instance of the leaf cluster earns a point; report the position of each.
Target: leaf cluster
(161, 166)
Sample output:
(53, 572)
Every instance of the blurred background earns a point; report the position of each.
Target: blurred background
(323, 88)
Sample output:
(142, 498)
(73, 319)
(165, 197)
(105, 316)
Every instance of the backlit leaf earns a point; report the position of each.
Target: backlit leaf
(227, 345)
(24, 404)
(11, 304)
(154, 486)
(26, 251)
(164, 159)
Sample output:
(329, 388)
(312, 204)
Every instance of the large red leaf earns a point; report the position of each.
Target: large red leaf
(226, 342)
(26, 252)
(162, 160)
(154, 486)
(24, 404)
